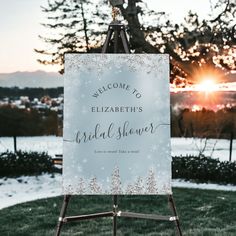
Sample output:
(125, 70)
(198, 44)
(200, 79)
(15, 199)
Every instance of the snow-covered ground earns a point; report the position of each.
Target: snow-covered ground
(217, 148)
(23, 189)
(28, 188)
(50, 144)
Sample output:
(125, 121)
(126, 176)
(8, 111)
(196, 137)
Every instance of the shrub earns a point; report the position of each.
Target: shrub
(25, 163)
(204, 169)
(200, 169)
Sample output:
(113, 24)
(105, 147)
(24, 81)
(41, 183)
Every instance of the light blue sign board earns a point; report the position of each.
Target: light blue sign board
(116, 124)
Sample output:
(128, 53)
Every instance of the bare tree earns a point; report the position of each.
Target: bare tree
(194, 45)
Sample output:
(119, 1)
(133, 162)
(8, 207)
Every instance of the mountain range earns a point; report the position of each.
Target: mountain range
(179, 100)
(43, 79)
(36, 79)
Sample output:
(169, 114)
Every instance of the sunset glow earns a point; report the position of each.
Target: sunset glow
(207, 85)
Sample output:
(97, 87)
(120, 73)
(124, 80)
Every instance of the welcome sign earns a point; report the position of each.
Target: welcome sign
(116, 124)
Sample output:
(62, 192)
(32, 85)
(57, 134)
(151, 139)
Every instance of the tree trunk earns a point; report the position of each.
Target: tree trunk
(231, 146)
(15, 146)
(137, 37)
(140, 44)
(85, 27)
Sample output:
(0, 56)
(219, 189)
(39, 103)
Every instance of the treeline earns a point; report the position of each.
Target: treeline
(204, 123)
(19, 122)
(185, 123)
(30, 92)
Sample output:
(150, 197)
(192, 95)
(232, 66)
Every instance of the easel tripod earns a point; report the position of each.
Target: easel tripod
(117, 30)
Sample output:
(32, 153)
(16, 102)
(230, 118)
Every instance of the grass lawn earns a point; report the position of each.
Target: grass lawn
(202, 212)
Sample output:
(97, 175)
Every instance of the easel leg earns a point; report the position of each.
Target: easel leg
(116, 40)
(114, 214)
(62, 214)
(124, 40)
(108, 39)
(173, 209)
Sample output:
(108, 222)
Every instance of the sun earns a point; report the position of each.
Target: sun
(207, 85)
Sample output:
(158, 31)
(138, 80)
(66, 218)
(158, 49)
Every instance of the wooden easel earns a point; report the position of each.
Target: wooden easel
(118, 30)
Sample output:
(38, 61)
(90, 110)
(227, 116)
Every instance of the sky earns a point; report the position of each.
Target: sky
(20, 26)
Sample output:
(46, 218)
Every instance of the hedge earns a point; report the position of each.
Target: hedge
(204, 169)
(195, 168)
(25, 163)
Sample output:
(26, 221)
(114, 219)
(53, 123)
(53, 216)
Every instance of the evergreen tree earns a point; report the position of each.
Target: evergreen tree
(116, 182)
(81, 186)
(138, 186)
(78, 26)
(129, 189)
(94, 186)
(151, 184)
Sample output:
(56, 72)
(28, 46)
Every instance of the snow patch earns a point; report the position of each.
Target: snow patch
(179, 183)
(28, 188)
